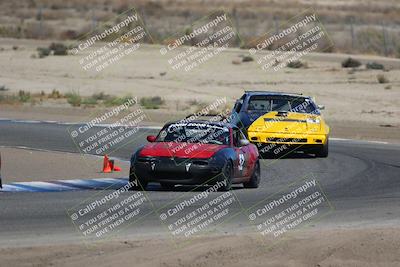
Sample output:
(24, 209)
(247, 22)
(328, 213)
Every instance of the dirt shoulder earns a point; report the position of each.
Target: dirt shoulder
(24, 165)
(348, 94)
(365, 131)
(329, 247)
(357, 105)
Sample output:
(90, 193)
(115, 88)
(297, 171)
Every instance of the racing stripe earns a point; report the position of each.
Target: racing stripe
(29, 188)
(75, 186)
(66, 185)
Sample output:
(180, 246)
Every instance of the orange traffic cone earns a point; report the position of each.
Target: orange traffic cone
(114, 167)
(106, 165)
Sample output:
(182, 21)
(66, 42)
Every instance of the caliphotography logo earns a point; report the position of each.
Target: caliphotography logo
(300, 35)
(199, 43)
(110, 42)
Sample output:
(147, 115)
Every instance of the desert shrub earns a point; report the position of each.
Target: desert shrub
(351, 63)
(100, 96)
(2, 98)
(43, 52)
(59, 49)
(8, 99)
(382, 78)
(55, 94)
(23, 96)
(247, 59)
(116, 101)
(74, 99)
(375, 66)
(297, 64)
(154, 102)
(89, 101)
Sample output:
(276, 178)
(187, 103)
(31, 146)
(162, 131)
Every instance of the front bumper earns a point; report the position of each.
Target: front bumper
(287, 138)
(177, 171)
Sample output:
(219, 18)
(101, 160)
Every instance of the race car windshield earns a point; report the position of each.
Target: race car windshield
(264, 104)
(195, 133)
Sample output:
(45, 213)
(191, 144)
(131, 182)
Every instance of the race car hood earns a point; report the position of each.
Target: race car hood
(180, 150)
(287, 122)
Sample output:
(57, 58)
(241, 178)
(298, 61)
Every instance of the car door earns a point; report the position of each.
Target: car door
(242, 155)
(252, 157)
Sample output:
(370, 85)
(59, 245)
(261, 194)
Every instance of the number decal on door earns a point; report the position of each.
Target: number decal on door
(241, 162)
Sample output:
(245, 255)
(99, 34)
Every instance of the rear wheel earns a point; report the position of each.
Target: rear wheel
(227, 173)
(255, 177)
(323, 151)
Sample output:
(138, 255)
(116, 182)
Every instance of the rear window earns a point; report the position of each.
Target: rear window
(266, 104)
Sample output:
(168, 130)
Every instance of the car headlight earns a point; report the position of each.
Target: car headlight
(313, 120)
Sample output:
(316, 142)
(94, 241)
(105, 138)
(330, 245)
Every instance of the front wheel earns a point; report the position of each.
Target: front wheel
(255, 177)
(227, 173)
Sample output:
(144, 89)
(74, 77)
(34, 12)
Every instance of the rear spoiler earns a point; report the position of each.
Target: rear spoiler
(271, 92)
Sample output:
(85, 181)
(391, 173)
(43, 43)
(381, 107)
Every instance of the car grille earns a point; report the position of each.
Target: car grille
(287, 140)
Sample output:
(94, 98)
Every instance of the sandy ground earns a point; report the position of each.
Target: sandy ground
(23, 165)
(356, 106)
(328, 247)
(349, 96)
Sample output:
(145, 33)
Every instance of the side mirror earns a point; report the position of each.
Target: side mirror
(244, 142)
(321, 107)
(151, 138)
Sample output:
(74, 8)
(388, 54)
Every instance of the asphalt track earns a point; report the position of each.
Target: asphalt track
(360, 180)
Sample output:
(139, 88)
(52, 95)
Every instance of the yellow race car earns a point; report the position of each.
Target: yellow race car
(279, 122)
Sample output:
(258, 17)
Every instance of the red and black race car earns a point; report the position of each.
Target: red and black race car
(196, 153)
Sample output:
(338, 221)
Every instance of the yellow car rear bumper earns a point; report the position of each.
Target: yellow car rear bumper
(288, 138)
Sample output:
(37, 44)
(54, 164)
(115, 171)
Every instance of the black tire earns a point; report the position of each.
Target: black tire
(255, 177)
(323, 151)
(226, 175)
(139, 183)
(167, 186)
